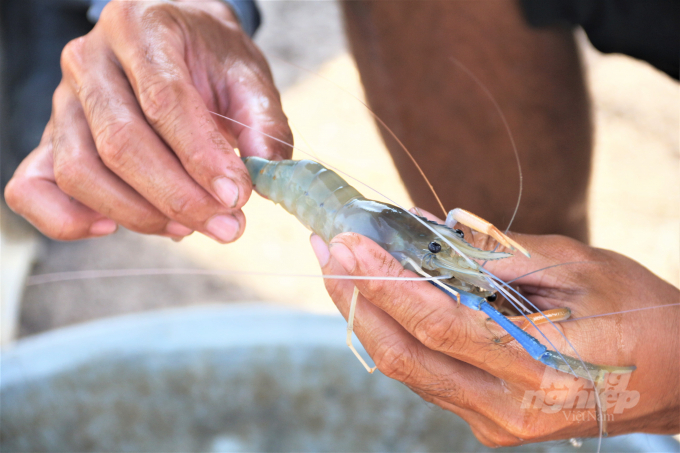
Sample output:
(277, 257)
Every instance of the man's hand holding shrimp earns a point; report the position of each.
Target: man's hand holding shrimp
(418, 335)
(132, 141)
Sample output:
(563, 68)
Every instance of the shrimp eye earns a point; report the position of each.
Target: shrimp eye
(434, 247)
(460, 233)
(492, 298)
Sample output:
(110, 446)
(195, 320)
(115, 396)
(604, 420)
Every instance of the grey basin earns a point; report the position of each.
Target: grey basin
(221, 378)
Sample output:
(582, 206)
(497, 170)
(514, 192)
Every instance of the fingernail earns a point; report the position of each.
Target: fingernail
(342, 254)
(320, 249)
(223, 227)
(226, 190)
(177, 229)
(102, 227)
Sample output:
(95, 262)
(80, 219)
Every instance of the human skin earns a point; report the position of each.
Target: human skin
(446, 354)
(131, 143)
(131, 140)
(405, 52)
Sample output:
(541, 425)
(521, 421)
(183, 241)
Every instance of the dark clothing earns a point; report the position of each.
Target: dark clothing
(645, 29)
(32, 35)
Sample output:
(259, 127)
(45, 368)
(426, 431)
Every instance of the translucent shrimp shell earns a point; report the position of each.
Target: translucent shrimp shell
(326, 204)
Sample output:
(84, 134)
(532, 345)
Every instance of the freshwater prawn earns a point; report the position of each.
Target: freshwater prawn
(327, 205)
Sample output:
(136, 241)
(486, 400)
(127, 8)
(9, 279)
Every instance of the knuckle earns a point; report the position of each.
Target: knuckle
(182, 204)
(178, 204)
(149, 223)
(113, 141)
(14, 193)
(374, 288)
(160, 100)
(96, 105)
(496, 439)
(62, 230)
(519, 428)
(66, 173)
(67, 229)
(394, 360)
(494, 436)
(195, 161)
(71, 56)
(437, 331)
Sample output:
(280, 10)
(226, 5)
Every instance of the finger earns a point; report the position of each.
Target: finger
(262, 129)
(133, 151)
(429, 314)
(177, 102)
(163, 86)
(33, 193)
(398, 355)
(80, 173)
(244, 91)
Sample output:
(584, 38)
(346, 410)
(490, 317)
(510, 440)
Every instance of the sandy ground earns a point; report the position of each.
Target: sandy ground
(635, 201)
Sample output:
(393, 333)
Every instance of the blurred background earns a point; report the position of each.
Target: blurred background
(634, 201)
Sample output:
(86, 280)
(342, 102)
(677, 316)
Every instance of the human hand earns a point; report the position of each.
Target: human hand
(131, 140)
(445, 353)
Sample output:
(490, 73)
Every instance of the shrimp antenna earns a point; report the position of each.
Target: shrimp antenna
(57, 277)
(507, 129)
(546, 268)
(378, 119)
(632, 310)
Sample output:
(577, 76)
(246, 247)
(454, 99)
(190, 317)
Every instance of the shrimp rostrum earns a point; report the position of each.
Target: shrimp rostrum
(326, 204)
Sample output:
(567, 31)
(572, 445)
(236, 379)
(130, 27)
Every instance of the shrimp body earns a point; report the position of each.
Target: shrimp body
(327, 205)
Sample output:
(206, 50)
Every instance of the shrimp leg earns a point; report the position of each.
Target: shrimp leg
(554, 315)
(478, 224)
(350, 329)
